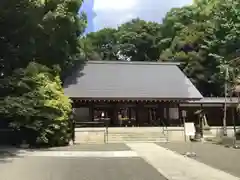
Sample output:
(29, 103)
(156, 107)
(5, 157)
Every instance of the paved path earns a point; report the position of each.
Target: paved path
(78, 163)
(86, 154)
(69, 168)
(217, 156)
(92, 147)
(177, 167)
(136, 161)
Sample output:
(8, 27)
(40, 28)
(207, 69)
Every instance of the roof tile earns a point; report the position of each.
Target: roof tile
(108, 79)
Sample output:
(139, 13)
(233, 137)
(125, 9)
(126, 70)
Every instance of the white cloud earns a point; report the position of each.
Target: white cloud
(114, 4)
(111, 13)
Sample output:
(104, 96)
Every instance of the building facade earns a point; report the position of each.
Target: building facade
(139, 94)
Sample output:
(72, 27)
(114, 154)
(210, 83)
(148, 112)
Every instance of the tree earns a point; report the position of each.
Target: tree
(205, 43)
(47, 32)
(36, 36)
(60, 31)
(18, 22)
(175, 20)
(139, 40)
(34, 105)
(204, 37)
(136, 40)
(103, 44)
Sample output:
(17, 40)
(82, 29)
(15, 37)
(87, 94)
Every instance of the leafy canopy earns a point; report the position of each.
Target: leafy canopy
(34, 99)
(203, 36)
(136, 40)
(44, 31)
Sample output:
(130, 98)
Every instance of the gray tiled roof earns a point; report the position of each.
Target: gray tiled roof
(136, 80)
(216, 100)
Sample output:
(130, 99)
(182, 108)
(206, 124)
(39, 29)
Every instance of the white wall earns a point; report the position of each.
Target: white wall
(218, 131)
(177, 133)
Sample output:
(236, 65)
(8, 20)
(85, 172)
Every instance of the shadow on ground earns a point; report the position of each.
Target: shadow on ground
(7, 154)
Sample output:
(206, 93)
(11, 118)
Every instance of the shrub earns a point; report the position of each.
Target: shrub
(34, 103)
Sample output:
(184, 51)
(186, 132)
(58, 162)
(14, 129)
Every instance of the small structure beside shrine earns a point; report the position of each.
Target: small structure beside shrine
(213, 108)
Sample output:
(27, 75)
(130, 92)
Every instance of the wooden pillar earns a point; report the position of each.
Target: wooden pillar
(111, 114)
(180, 114)
(137, 114)
(130, 113)
(149, 115)
(167, 114)
(115, 115)
(160, 111)
(91, 111)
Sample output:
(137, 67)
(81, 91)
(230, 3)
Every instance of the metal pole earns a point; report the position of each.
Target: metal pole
(225, 105)
(184, 115)
(234, 124)
(185, 137)
(234, 110)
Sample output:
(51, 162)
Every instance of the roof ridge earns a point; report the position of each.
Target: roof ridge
(133, 62)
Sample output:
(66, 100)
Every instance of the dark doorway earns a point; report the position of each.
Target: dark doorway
(126, 116)
(103, 114)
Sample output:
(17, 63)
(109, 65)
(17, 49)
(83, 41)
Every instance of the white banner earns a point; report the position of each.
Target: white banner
(189, 129)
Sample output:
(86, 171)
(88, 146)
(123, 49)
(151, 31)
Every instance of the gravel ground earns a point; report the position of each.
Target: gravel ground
(58, 168)
(217, 156)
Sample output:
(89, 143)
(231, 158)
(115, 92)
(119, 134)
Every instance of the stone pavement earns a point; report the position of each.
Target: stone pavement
(78, 164)
(217, 156)
(84, 154)
(67, 168)
(133, 161)
(175, 166)
(92, 147)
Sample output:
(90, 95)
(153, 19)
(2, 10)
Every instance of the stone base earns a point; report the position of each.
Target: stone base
(228, 141)
(24, 146)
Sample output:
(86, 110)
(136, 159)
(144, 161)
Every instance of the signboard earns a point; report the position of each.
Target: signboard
(189, 129)
(184, 113)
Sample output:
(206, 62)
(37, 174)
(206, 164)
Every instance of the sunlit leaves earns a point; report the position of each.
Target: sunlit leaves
(44, 31)
(205, 42)
(39, 107)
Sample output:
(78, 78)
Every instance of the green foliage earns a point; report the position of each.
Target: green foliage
(136, 40)
(205, 38)
(46, 31)
(33, 101)
(103, 44)
(60, 30)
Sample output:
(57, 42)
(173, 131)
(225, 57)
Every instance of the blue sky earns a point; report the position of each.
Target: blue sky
(111, 13)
